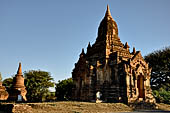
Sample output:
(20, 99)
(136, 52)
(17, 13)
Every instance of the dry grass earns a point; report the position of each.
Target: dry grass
(163, 106)
(79, 107)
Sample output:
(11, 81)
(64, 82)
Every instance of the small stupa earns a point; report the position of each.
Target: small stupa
(18, 91)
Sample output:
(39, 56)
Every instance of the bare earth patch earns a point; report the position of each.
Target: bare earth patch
(162, 106)
(79, 107)
(73, 107)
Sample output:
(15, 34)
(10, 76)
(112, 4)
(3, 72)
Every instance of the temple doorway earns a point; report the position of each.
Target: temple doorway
(19, 98)
(140, 85)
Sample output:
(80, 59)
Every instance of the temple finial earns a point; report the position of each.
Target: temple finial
(134, 50)
(126, 46)
(89, 45)
(82, 53)
(108, 11)
(82, 50)
(19, 72)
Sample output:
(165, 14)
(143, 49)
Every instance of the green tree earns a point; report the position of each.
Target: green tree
(37, 85)
(8, 83)
(50, 96)
(162, 95)
(160, 75)
(160, 63)
(64, 89)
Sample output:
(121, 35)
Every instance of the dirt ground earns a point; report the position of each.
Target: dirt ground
(162, 106)
(79, 107)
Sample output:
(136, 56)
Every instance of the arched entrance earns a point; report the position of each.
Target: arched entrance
(140, 85)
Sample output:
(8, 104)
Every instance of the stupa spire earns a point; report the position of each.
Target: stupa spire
(108, 11)
(126, 45)
(89, 45)
(134, 50)
(82, 51)
(19, 72)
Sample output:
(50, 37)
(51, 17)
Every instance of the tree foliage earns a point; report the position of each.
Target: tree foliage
(8, 83)
(50, 96)
(64, 89)
(160, 63)
(37, 84)
(162, 95)
(160, 75)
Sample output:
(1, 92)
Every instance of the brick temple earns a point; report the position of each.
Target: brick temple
(110, 68)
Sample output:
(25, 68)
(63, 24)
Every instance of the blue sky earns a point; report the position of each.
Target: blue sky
(50, 34)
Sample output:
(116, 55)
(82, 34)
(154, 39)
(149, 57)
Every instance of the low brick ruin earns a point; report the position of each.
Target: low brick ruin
(3, 93)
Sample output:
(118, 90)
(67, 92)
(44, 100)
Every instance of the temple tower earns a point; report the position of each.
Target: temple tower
(110, 69)
(18, 91)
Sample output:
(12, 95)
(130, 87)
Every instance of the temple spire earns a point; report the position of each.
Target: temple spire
(108, 11)
(89, 45)
(126, 46)
(82, 53)
(134, 50)
(19, 72)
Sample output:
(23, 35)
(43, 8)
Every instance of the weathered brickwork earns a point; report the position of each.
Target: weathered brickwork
(18, 91)
(3, 92)
(110, 68)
